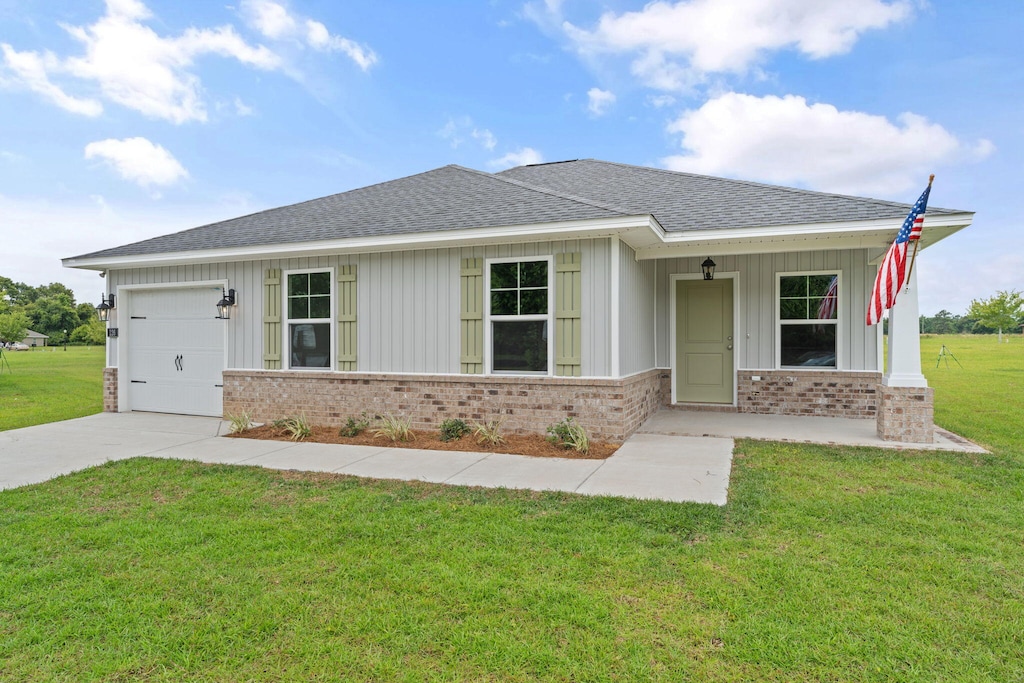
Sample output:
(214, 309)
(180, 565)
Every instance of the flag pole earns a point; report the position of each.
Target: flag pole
(913, 257)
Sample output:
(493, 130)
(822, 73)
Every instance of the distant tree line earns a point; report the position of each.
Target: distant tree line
(49, 309)
(999, 314)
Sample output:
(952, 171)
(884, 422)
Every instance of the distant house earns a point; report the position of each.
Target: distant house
(34, 338)
(571, 288)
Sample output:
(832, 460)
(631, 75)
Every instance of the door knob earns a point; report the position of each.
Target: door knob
(729, 347)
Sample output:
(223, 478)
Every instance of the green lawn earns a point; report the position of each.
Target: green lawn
(49, 384)
(828, 564)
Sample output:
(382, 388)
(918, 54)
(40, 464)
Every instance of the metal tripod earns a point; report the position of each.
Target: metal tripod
(3, 362)
(944, 352)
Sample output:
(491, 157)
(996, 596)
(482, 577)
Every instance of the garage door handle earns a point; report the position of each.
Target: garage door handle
(138, 381)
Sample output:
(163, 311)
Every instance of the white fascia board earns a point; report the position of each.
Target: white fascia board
(642, 226)
(874, 234)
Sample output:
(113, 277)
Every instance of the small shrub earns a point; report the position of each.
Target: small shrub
(569, 434)
(394, 428)
(453, 428)
(488, 432)
(297, 428)
(239, 423)
(355, 426)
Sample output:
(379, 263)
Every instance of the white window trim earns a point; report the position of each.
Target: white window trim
(549, 318)
(286, 347)
(838, 322)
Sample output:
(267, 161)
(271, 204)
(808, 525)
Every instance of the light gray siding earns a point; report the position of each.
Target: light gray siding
(757, 308)
(637, 322)
(408, 309)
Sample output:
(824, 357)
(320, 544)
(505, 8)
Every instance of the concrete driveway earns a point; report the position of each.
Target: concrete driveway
(649, 466)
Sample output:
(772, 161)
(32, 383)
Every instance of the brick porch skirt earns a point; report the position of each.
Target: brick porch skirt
(609, 409)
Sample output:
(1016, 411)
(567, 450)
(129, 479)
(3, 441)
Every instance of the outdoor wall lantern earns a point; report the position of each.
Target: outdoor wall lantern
(709, 269)
(225, 304)
(105, 307)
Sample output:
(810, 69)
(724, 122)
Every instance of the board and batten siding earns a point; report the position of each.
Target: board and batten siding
(408, 302)
(637, 311)
(756, 334)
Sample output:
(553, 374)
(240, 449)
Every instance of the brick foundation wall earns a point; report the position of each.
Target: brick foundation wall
(110, 390)
(809, 392)
(609, 409)
(906, 414)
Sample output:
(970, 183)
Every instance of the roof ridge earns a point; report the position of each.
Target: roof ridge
(551, 191)
(795, 190)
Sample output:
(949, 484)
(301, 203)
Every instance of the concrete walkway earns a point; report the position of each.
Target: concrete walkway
(651, 466)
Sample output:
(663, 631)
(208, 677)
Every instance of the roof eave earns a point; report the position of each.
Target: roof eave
(639, 231)
(871, 234)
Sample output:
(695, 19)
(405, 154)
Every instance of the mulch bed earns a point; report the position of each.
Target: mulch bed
(518, 444)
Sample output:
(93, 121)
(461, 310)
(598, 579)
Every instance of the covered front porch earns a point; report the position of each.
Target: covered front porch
(843, 431)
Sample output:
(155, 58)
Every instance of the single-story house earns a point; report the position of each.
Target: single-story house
(550, 290)
(34, 338)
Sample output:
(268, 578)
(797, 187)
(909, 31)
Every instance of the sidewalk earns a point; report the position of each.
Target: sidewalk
(650, 466)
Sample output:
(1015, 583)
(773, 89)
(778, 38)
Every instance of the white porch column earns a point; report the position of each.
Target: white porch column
(904, 366)
(905, 402)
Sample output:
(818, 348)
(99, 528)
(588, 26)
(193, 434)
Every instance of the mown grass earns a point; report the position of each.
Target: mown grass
(828, 564)
(50, 384)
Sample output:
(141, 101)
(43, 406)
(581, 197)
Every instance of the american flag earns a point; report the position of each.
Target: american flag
(893, 271)
(827, 307)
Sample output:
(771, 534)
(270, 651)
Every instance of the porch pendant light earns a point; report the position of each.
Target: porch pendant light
(225, 304)
(709, 268)
(105, 307)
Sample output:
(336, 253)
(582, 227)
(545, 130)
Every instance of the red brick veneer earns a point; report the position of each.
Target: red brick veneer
(110, 390)
(906, 414)
(809, 392)
(610, 409)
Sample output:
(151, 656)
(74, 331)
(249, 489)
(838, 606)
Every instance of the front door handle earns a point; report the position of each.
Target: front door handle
(729, 347)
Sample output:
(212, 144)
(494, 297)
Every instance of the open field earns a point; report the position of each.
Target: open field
(838, 564)
(49, 384)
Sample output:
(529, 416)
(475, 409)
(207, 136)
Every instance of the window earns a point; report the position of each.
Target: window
(308, 306)
(808, 319)
(519, 305)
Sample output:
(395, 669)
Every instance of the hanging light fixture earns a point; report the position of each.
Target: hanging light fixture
(225, 304)
(105, 307)
(709, 268)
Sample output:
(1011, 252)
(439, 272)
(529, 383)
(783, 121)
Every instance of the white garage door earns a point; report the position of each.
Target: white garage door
(175, 351)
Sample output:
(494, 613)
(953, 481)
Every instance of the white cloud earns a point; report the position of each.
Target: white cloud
(275, 22)
(242, 109)
(788, 141)
(29, 69)
(598, 101)
(456, 130)
(485, 137)
(132, 65)
(659, 101)
(676, 45)
(138, 160)
(521, 157)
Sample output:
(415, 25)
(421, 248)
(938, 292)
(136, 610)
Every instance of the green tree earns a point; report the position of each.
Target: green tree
(53, 314)
(86, 312)
(13, 327)
(91, 332)
(1000, 312)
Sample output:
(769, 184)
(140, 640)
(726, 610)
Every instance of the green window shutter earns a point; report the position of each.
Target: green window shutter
(272, 319)
(347, 305)
(568, 316)
(471, 323)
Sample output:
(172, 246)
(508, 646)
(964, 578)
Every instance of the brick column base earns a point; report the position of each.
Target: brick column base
(906, 414)
(109, 390)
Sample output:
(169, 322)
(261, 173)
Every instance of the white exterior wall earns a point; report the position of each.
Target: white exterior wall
(757, 333)
(637, 313)
(408, 309)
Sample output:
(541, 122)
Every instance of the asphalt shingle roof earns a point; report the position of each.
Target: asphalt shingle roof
(685, 201)
(453, 198)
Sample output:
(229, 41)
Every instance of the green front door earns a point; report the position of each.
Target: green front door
(703, 371)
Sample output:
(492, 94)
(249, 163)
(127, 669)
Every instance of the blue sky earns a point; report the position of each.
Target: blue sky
(122, 120)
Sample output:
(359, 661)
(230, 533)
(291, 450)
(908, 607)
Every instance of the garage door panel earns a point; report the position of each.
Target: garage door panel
(175, 351)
